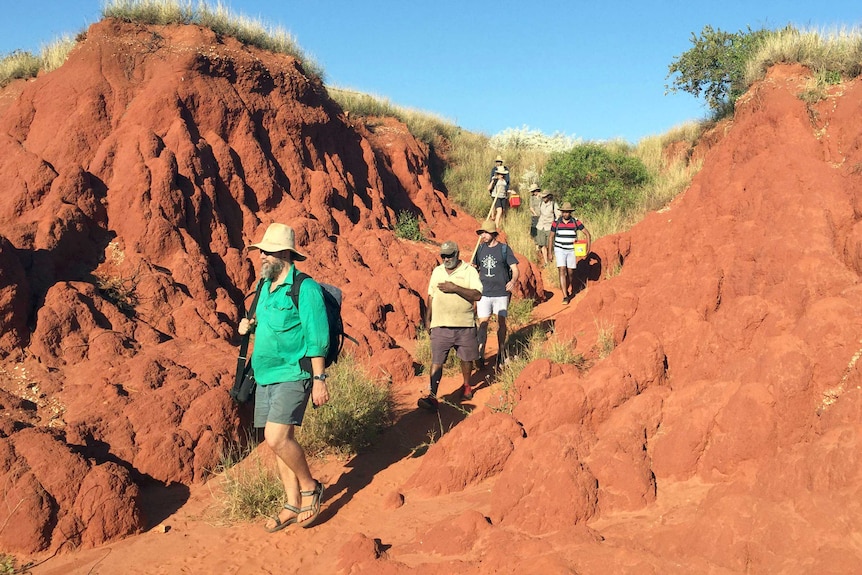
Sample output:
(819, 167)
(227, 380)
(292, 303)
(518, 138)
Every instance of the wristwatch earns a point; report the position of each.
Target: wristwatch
(321, 377)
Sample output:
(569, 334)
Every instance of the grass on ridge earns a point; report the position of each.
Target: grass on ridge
(217, 17)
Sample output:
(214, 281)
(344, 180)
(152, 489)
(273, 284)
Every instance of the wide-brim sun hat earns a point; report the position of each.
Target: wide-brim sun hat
(567, 207)
(277, 238)
(501, 170)
(545, 194)
(535, 188)
(488, 226)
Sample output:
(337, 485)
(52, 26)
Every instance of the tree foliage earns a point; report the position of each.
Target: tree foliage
(715, 66)
(595, 176)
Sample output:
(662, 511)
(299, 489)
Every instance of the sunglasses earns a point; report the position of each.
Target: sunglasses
(448, 256)
(270, 254)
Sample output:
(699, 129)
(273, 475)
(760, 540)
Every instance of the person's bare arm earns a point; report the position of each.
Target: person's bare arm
(471, 295)
(514, 281)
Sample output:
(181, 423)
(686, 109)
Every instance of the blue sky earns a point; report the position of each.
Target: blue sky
(591, 70)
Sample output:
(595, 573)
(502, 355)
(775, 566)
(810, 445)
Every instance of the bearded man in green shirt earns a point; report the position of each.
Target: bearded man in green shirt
(283, 336)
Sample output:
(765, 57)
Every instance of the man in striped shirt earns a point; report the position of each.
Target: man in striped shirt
(564, 234)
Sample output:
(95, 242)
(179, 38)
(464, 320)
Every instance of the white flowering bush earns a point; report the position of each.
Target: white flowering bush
(526, 139)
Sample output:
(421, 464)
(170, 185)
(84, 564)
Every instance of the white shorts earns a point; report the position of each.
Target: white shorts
(492, 305)
(565, 258)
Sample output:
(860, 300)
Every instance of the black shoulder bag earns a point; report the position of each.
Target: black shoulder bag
(244, 383)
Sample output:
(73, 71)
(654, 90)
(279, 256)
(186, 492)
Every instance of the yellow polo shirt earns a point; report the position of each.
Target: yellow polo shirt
(450, 309)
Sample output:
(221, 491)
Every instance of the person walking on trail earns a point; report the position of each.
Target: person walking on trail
(283, 336)
(548, 212)
(498, 163)
(453, 289)
(499, 190)
(535, 203)
(564, 234)
(498, 270)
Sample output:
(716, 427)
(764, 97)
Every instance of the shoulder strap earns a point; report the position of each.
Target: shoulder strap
(298, 278)
(241, 365)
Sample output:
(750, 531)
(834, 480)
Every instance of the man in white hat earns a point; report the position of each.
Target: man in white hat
(284, 335)
(453, 288)
(498, 270)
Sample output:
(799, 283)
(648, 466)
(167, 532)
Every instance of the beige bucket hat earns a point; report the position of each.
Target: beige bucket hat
(488, 226)
(277, 238)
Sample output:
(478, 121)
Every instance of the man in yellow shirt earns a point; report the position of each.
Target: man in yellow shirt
(453, 289)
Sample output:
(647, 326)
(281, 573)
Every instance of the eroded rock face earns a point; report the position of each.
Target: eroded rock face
(729, 405)
(134, 177)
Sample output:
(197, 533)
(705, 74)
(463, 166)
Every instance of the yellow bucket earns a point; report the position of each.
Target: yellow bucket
(580, 249)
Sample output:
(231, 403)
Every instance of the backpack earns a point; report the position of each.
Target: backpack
(508, 268)
(332, 303)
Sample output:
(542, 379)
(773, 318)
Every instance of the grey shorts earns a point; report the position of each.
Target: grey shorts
(542, 237)
(281, 402)
(463, 339)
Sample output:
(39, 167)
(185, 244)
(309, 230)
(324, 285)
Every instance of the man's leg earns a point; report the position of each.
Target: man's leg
(564, 287)
(482, 334)
(570, 272)
(466, 371)
(292, 468)
(501, 340)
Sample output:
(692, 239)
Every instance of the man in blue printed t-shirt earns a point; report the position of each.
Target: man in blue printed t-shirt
(498, 270)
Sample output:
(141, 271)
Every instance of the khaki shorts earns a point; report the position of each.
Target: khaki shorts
(542, 237)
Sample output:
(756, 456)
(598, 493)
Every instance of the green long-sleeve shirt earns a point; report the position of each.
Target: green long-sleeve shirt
(284, 335)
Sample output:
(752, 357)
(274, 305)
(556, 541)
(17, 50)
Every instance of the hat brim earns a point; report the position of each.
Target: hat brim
(480, 232)
(268, 247)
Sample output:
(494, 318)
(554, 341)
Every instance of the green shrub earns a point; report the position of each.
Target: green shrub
(596, 176)
(407, 227)
(716, 66)
(358, 409)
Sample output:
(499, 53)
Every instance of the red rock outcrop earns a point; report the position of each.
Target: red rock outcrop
(722, 433)
(134, 176)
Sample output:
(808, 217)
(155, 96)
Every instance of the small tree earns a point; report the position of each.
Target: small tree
(595, 176)
(715, 66)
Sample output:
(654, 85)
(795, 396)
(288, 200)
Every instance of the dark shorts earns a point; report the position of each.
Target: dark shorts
(533, 230)
(463, 339)
(281, 402)
(501, 203)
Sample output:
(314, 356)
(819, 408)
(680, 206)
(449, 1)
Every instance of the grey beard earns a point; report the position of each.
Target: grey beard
(271, 270)
(451, 263)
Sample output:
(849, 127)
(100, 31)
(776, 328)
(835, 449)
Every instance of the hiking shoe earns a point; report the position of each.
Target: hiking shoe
(467, 392)
(566, 300)
(428, 402)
